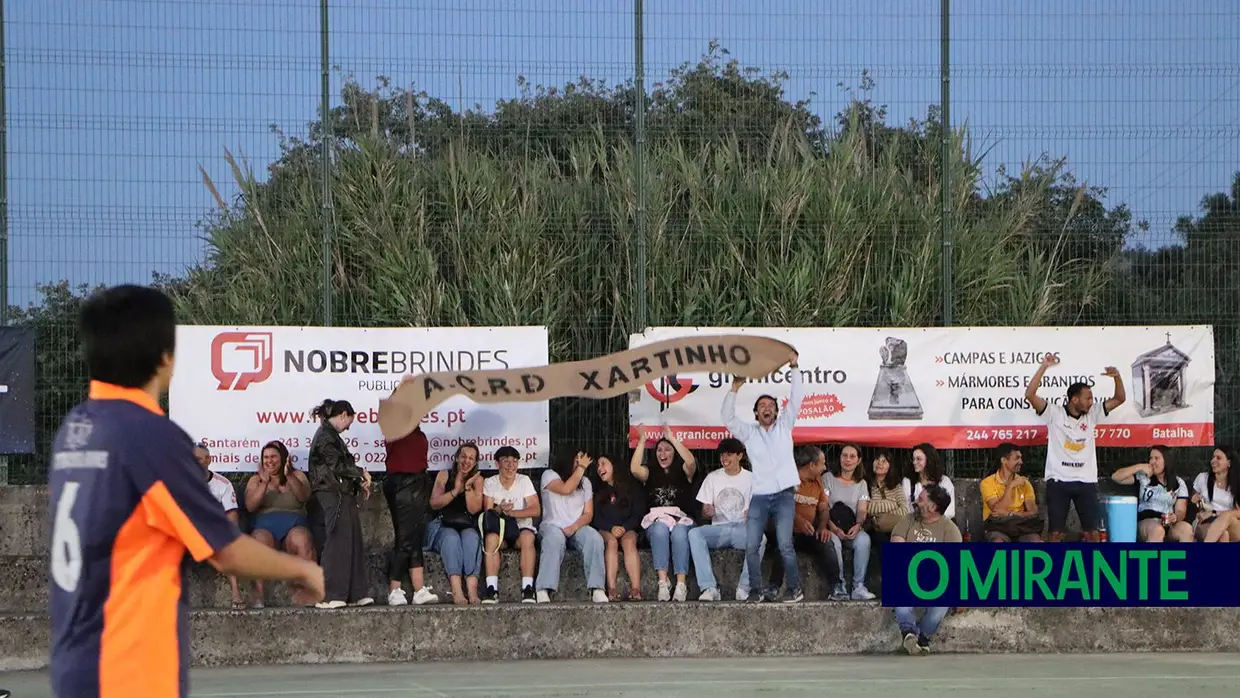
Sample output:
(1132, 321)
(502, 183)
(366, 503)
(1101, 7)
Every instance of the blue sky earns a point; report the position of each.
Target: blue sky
(113, 104)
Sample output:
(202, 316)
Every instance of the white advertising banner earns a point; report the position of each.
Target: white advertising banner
(955, 387)
(240, 387)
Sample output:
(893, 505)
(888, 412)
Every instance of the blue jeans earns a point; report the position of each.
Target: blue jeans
(676, 539)
(930, 620)
(461, 551)
(861, 555)
(586, 539)
(704, 539)
(780, 506)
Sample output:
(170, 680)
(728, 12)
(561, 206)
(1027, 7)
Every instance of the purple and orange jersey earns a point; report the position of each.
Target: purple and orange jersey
(128, 500)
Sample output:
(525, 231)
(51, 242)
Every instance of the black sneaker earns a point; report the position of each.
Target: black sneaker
(910, 644)
(770, 596)
(490, 595)
(923, 643)
(795, 596)
(527, 595)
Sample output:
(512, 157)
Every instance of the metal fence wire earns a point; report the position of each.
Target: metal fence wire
(600, 170)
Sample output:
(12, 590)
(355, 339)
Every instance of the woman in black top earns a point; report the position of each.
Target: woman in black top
(618, 510)
(336, 483)
(669, 493)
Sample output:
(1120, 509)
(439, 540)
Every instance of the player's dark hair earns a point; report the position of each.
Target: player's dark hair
(938, 497)
(1002, 451)
(456, 461)
(506, 452)
(893, 477)
(805, 455)
(282, 450)
(1075, 389)
(1233, 472)
(730, 445)
(859, 474)
(126, 333)
(1169, 480)
(332, 408)
(565, 465)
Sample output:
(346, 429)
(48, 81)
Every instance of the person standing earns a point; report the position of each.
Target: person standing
(768, 445)
(128, 502)
(336, 483)
(407, 489)
(1071, 450)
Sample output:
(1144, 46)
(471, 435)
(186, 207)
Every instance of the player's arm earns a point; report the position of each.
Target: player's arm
(796, 394)
(179, 504)
(1120, 394)
(1031, 390)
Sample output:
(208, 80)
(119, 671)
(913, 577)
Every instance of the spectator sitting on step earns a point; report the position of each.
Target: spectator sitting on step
(509, 505)
(1213, 493)
(226, 495)
(619, 506)
(888, 502)
(276, 496)
(812, 523)
(849, 497)
(928, 470)
(928, 525)
(1162, 499)
(568, 509)
(1009, 504)
(724, 495)
(456, 498)
(669, 492)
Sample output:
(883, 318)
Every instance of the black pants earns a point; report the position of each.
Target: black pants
(1062, 495)
(408, 500)
(343, 558)
(823, 555)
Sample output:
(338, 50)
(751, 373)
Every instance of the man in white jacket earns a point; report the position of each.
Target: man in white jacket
(768, 445)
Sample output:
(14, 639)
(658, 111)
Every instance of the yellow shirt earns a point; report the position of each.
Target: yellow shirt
(994, 487)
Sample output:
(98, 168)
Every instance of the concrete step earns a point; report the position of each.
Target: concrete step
(648, 629)
(24, 580)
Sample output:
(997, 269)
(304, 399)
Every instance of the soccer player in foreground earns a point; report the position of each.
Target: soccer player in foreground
(128, 501)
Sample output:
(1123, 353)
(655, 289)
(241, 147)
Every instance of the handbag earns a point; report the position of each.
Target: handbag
(1015, 526)
(458, 520)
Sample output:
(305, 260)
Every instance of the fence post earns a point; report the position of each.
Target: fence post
(326, 126)
(4, 211)
(945, 152)
(639, 158)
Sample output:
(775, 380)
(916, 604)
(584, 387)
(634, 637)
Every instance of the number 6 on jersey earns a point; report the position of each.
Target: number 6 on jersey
(66, 541)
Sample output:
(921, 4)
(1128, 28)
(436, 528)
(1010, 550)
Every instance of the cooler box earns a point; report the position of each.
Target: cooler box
(1121, 513)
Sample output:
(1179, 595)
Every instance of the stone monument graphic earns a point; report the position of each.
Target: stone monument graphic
(894, 396)
(1158, 380)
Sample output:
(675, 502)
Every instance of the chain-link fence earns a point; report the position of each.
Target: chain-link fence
(602, 170)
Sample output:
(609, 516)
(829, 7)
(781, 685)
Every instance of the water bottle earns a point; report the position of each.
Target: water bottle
(1102, 528)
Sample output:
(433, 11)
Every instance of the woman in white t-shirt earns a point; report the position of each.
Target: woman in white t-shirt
(1216, 494)
(509, 505)
(927, 469)
(568, 509)
(1162, 499)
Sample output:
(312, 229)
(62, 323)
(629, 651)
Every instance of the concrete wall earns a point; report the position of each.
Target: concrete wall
(514, 631)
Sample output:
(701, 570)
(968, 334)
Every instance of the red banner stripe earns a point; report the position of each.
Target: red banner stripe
(961, 437)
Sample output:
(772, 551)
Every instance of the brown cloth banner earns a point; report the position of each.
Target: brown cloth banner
(604, 377)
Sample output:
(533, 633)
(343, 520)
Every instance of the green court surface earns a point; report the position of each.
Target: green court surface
(960, 676)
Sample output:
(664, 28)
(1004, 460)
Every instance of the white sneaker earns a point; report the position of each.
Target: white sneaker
(330, 604)
(542, 596)
(424, 596)
(599, 596)
(665, 591)
(682, 592)
(364, 601)
(742, 594)
(860, 593)
(711, 594)
(396, 597)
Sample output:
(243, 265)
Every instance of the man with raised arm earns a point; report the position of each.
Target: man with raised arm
(1071, 450)
(768, 445)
